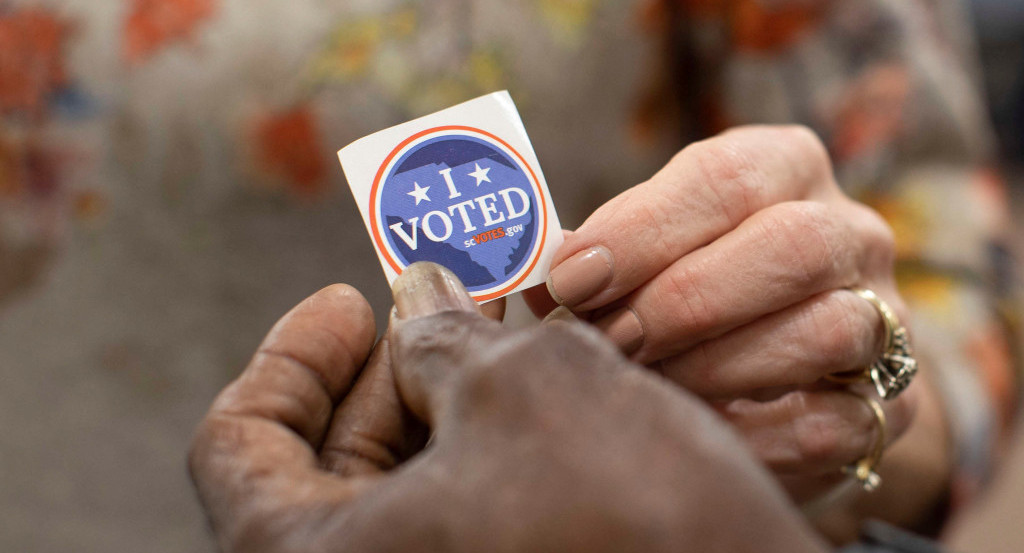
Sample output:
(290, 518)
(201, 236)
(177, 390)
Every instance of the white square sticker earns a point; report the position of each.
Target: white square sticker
(462, 188)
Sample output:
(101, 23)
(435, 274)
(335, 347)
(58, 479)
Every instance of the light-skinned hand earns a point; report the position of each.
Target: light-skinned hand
(727, 272)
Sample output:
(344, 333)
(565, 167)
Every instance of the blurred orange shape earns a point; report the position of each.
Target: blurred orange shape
(873, 112)
(89, 205)
(153, 24)
(760, 27)
(288, 145)
(31, 60)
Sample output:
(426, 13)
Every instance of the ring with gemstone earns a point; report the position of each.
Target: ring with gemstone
(893, 370)
(864, 469)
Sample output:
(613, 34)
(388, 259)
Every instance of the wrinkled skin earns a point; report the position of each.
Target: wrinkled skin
(728, 273)
(542, 440)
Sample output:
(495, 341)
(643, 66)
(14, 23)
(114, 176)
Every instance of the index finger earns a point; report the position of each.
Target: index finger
(255, 450)
(708, 189)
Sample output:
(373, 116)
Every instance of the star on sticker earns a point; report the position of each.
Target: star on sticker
(480, 174)
(420, 193)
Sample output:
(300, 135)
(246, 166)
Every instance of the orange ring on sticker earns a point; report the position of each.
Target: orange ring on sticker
(375, 232)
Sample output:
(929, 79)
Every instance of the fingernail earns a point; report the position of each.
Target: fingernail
(425, 289)
(580, 277)
(623, 328)
(561, 313)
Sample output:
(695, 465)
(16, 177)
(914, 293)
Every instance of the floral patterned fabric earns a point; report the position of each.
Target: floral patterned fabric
(889, 86)
(206, 130)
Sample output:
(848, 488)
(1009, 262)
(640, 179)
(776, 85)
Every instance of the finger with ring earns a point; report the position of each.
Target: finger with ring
(895, 368)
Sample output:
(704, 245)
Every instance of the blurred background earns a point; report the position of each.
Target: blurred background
(168, 189)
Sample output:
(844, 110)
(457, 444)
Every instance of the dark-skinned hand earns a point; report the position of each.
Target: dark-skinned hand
(546, 439)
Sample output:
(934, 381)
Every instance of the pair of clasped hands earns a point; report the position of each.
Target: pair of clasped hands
(691, 414)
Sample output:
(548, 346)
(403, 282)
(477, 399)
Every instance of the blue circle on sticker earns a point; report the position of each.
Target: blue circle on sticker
(466, 201)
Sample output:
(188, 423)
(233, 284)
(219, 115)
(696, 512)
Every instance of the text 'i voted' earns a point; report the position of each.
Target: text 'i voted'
(461, 188)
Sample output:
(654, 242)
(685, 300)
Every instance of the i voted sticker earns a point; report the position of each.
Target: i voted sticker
(461, 188)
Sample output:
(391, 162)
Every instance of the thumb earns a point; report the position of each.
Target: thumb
(433, 324)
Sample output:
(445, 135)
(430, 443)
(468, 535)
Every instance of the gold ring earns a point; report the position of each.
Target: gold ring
(892, 372)
(850, 377)
(864, 469)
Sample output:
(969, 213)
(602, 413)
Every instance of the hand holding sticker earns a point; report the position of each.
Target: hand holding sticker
(461, 188)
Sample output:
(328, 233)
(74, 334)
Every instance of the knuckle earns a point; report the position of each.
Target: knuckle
(480, 389)
(879, 239)
(818, 436)
(817, 443)
(719, 159)
(214, 446)
(730, 175)
(806, 238)
(528, 371)
(805, 156)
(498, 368)
(649, 217)
(502, 382)
(438, 335)
(880, 232)
(692, 310)
(696, 371)
(808, 147)
(213, 438)
(843, 337)
(799, 152)
(428, 339)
